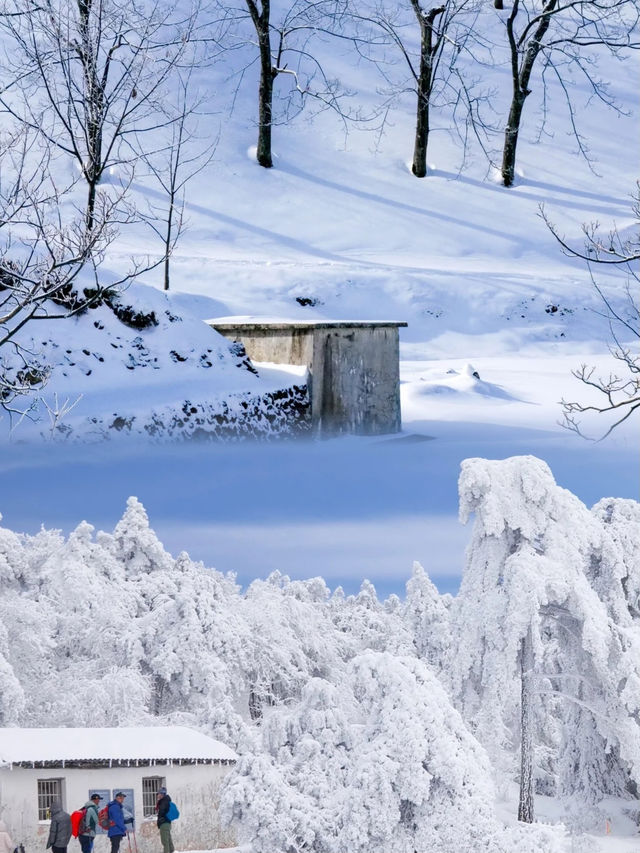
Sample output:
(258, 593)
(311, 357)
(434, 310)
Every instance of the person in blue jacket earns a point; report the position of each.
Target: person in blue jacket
(117, 829)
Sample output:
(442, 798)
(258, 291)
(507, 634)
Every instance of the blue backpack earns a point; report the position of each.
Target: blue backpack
(173, 812)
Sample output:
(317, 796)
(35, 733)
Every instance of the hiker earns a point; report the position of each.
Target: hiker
(117, 830)
(163, 801)
(90, 824)
(6, 844)
(59, 829)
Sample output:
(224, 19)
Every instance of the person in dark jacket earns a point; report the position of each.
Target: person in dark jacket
(117, 830)
(90, 823)
(163, 801)
(60, 829)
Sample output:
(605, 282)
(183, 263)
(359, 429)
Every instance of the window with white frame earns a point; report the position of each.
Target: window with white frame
(49, 790)
(150, 787)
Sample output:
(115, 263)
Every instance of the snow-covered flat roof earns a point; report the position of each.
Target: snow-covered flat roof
(157, 743)
(247, 321)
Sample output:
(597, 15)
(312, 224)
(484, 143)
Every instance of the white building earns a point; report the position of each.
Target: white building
(40, 765)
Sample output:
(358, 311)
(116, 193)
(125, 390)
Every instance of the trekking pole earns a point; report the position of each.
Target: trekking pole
(129, 841)
(135, 841)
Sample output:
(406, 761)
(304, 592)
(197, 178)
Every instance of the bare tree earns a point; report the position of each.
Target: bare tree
(175, 164)
(90, 75)
(442, 33)
(286, 45)
(618, 391)
(561, 35)
(45, 246)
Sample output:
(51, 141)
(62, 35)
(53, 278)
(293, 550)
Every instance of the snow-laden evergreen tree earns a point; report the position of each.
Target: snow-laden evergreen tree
(288, 792)
(426, 612)
(621, 519)
(379, 760)
(194, 645)
(135, 545)
(94, 633)
(534, 638)
(12, 698)
(18, 652)
(13, 560)
(419, 780)
(368, 624)
(292, 639)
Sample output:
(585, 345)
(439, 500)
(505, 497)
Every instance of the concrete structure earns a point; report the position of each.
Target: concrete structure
(354, 372)
(39, 765)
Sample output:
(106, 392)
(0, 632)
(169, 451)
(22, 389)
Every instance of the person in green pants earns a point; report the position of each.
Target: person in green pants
(163, 801)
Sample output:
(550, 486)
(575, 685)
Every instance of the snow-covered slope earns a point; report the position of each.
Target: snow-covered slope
(142, 367)
(340, 228)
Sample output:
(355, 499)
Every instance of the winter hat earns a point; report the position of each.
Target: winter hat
(162, 790)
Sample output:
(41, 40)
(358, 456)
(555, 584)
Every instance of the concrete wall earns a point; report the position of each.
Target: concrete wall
(195, 789)
(290, 345)
(356, 378)
(354, 372)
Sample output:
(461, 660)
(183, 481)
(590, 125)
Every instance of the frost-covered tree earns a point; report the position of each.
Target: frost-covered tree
(534, 637)
(135, 545)
(378, 761)
(289, 788)
(368, 624)
(12, 698)
(621, 519)
(194, 644)
(338, 706)
(427, 614)
(92, 614)
(19, 652)
(292, 639)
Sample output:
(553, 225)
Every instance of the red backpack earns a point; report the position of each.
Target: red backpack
(103, 818)
(78, 821)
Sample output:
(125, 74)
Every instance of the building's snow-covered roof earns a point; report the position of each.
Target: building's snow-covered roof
(170, 743)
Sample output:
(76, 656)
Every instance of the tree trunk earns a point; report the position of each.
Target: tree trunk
(520, 75)
(167, 245)
(265, 102)
(511, 138)
(91, 206)
(525, 806)
(93, 109)
(425, 85)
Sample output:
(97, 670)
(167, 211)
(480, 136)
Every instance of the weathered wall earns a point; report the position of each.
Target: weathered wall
(354, 372)
(195, 789)
(355, 381)
(292, 345)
